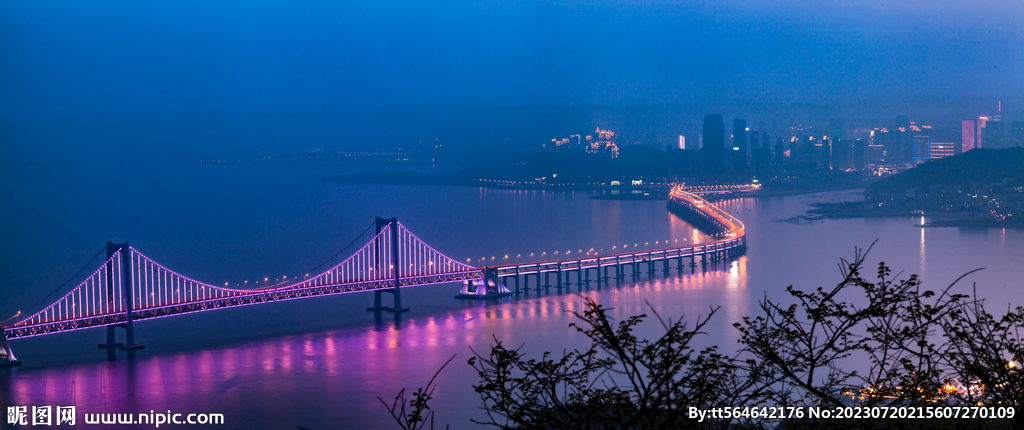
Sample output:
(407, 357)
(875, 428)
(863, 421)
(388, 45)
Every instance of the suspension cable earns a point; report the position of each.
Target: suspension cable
(72, 278)
(345, 249)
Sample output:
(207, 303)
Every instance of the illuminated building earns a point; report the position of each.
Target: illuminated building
(880, 145)
(682, 142)
(1017, 133)
(921, 137)
(604, 140)
(968, 139)
(941, 150)
(979, 132)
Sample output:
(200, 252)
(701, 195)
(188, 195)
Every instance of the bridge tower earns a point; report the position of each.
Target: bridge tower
(381, 223)
(127, 296)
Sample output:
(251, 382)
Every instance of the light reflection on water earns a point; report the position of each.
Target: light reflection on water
(273, 382)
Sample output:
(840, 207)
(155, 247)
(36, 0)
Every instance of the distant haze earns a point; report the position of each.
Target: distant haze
(198, 75)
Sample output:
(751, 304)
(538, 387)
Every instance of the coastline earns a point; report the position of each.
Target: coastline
(818, 213)
(851, 210)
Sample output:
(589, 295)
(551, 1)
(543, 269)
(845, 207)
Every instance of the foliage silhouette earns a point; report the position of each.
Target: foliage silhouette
(864, 343)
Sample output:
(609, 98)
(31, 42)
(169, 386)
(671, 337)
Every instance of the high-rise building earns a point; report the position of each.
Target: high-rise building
(682, 142)
(859, 152)
(738, 153)
(760, 155)
(995, 133)
(881, 146)
(821, 153)
(780, 154)
(968, 135)
(901, 148)
(921, 140)
(1017, 133)
(941, 150)
(979, 132)
(766, 141)
(713, 145)
(842, 154)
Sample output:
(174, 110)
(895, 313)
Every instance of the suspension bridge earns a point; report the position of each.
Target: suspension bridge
(129, 286)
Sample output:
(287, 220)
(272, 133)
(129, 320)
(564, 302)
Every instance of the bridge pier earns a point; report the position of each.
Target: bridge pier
(6, 353)
(111, 339)
(490, 286)
(377, 305)
(517, 280)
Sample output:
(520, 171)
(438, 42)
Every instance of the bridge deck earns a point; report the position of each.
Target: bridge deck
(620, 259)
(132, 285)
(270, 295)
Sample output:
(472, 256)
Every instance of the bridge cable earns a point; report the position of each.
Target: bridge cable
(73, 277)
(345, 249)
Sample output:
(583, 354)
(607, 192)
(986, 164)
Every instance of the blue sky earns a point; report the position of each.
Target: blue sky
(68, 58)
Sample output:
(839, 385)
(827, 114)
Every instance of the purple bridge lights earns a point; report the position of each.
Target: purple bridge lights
(130, 287)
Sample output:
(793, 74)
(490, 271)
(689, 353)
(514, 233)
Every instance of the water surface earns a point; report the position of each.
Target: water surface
(321, 363)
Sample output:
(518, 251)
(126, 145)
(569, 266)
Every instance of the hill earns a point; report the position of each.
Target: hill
(982, 180)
